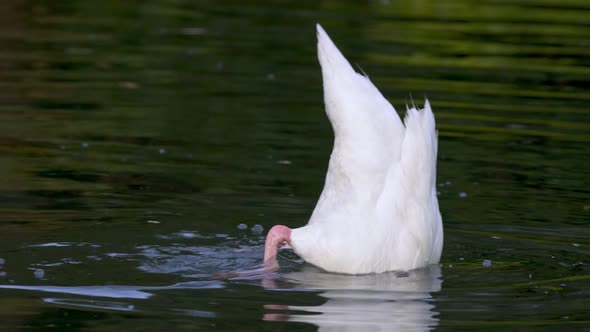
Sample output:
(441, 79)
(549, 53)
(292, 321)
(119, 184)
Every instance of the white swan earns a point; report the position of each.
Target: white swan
(378, 210)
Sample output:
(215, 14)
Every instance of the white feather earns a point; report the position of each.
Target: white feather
(378, 210)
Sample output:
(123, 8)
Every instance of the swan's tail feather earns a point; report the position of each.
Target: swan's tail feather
(417, 180)
(419, 150)
(414, 173)
(330, 56)
(409, 196)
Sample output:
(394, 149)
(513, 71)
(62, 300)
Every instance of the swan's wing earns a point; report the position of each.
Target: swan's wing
(367, 136)
(409, 206)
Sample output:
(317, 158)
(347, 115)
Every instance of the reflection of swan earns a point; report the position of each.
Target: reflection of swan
(374, 302)
(378, 210)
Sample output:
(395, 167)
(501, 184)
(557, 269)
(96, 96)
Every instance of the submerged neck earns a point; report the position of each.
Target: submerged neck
(275, 237)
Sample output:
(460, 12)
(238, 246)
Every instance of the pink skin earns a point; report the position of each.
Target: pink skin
(277, 235)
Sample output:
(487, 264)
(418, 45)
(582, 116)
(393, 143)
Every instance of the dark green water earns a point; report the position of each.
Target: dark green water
(137, 136)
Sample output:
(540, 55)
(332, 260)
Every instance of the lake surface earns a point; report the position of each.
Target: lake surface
(147, 145)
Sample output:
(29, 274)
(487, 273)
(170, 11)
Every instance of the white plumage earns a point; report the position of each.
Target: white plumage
(378, 210)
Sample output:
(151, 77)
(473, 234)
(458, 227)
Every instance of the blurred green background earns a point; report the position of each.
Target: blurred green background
(137, 136)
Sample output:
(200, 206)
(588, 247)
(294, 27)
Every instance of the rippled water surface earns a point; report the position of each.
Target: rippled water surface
(145, 146)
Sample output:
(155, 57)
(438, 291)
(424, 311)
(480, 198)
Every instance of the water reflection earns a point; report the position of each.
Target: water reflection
(373, 302)
(113, 291)
(93, 291)
(376, 302)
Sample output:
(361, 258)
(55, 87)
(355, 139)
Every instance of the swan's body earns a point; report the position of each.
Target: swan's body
(378, 210)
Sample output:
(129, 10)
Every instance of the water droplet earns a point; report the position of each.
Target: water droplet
(162, 151)
(128, 85)
(187, 235)
(461, 258)
(2, 261)
(153, 222)
(84, 145)
(516, 126)
(3, 274)
(284, 162)
(462, 194)
(193, 31)
(486, 263)
(257, 229)
(242, 226)
(39, 273)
